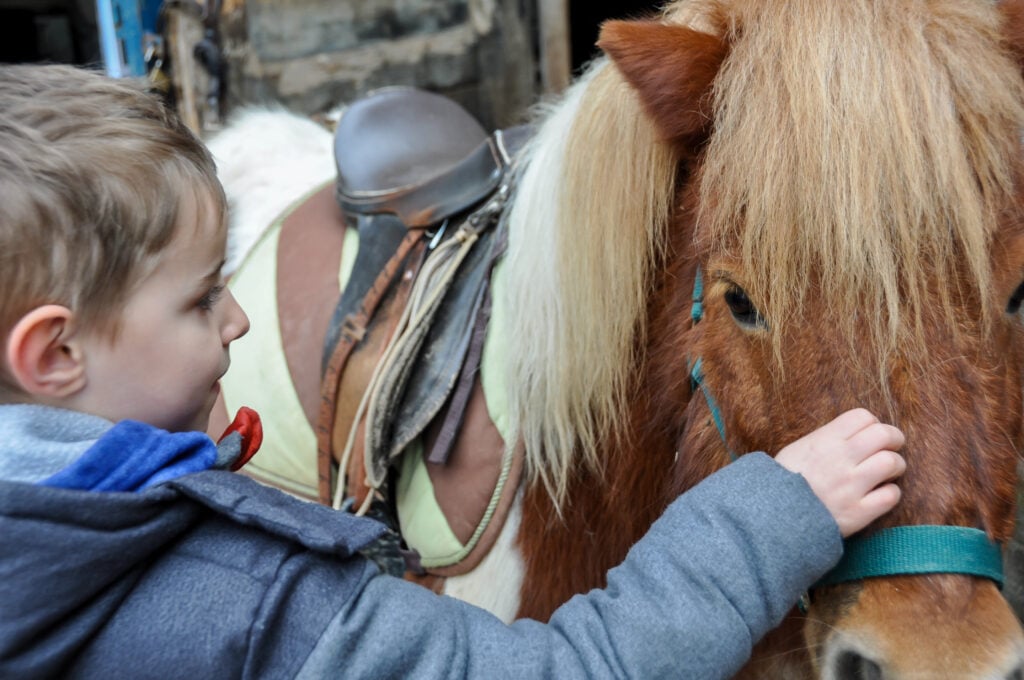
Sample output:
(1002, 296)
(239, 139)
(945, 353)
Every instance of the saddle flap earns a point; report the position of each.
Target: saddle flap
(438, 362)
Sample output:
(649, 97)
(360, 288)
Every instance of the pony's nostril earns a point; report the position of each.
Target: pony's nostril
(1016, 674)
(853, 666)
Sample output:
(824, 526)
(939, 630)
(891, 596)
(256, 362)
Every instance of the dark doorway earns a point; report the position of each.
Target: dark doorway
(585, 21)
(61, 31)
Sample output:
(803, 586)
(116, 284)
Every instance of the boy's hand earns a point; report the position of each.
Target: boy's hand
(850, 464)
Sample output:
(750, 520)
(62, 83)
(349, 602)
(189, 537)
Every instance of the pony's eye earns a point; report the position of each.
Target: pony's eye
(742, 308)
(1013, 306)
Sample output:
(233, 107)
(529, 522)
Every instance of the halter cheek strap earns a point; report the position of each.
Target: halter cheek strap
(902, 550)
(697, 383)
(696, 368)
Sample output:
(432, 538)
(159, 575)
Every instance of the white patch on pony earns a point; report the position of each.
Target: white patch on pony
(267, 158)
(495, 583)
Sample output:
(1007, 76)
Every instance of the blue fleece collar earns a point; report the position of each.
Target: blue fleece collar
(73, 450)
(132, 456)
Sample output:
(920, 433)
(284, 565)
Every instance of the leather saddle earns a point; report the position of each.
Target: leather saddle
(414, 170)
(416, 155)
(409, 160)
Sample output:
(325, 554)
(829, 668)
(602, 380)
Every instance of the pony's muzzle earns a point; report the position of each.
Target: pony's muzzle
(851, 658)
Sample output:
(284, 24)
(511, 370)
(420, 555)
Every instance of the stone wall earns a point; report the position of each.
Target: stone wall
(311, 55)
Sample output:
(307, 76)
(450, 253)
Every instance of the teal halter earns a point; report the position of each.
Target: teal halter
(697, 370)
(903, 550)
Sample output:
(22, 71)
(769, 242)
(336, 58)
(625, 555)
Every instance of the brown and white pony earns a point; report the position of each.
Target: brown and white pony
(846, 176)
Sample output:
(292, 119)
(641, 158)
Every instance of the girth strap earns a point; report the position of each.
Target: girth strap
(379, 238)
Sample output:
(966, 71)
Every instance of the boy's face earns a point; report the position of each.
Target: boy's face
(172, 348)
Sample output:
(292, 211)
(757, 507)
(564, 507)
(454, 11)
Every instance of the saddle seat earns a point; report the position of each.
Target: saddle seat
(416, 155)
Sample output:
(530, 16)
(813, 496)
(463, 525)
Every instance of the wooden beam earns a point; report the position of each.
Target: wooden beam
(555, 59)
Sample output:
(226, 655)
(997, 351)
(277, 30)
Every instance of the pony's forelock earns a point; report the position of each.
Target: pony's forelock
(834, 164)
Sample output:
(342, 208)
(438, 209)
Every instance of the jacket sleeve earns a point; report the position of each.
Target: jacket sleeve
(722, 566)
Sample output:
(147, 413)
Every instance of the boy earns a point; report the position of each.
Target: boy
(117, 563)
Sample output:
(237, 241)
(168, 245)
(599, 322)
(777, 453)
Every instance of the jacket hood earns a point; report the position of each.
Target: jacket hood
(69, 558)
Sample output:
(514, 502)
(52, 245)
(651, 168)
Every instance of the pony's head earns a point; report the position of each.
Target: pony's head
(850, 181)
(847, 178)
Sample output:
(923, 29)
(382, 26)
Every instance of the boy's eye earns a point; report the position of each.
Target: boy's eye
(207, 302)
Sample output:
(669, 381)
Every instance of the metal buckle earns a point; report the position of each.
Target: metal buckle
(351, 329)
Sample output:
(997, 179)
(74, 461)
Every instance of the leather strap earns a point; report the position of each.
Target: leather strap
(352, 330)
(379, 236)
(456, 408)
(465, 486)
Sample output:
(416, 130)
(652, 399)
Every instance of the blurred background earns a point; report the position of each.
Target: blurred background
(495, 57)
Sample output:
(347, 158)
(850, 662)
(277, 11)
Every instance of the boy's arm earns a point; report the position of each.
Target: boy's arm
(717, 571)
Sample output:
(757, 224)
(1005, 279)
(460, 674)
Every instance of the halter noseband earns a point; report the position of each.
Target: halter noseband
(902, 550)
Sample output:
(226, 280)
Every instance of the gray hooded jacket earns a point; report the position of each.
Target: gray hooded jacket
(213, 575)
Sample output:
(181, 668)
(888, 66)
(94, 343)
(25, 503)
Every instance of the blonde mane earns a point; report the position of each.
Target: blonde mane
(589, 217)
(863, 146)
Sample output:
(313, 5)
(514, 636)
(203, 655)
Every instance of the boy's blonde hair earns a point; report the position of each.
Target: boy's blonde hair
(93, 172)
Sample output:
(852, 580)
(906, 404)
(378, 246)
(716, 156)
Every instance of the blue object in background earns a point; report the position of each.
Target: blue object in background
(123, 24)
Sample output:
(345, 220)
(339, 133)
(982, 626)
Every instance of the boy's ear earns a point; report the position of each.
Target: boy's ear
(41, 355)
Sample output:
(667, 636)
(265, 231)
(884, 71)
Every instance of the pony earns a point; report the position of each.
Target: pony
(745, 218)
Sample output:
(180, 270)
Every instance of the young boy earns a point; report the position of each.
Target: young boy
(116, 562)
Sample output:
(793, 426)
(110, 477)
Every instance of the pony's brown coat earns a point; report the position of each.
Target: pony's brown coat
(855, 167)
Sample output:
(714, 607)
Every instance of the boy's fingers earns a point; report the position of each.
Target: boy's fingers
(850, 423)
(884, 466)
(872, 506)
(880, 501)
(876, 437)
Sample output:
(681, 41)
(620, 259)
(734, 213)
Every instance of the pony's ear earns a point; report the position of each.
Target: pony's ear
(1013, 27)
(672, 68)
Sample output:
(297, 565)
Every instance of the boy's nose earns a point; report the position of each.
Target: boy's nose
(236, 320)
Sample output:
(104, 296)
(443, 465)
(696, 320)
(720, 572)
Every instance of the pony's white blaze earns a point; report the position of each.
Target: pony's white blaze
(495, 583)
(267, 159)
